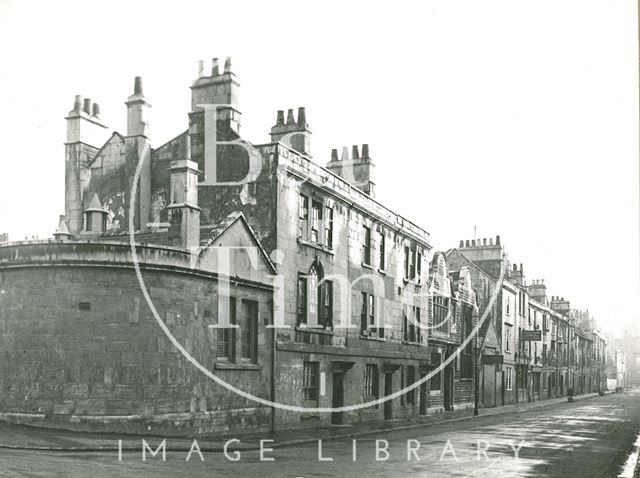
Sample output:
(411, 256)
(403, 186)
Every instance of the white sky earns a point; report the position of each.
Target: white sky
(520, 118)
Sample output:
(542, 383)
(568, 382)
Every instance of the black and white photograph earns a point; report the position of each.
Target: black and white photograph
(320, 239)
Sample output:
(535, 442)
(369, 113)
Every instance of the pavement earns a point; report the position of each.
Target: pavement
(24, 437)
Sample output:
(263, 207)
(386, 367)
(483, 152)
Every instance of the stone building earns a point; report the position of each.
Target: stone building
(452, 316)
(483, 261)
(350, 305)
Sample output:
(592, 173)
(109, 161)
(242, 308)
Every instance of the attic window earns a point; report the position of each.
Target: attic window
(84, 305)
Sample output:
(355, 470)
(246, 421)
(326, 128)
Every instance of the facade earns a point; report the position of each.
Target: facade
(483, 260)
(353, 322)
(546, 352)
(453, 314)
(280, 276)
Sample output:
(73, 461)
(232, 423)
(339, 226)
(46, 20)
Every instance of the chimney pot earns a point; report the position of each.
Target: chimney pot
(200, 68)
(87, 106)
(95, 110)
(484, 242)
(345, 154)
(214, 67)
(461, 243)
(466, 243)
(473, 243)
(521, 268)
(365, 151)
(354, 153)
(280, 117)
(186, 147)
(515, 267)
(302, 117)
(491, 241)
(497, 240)
(137, 87)
(77, 104)
(334, 154)
(227, 64)
(290, 118)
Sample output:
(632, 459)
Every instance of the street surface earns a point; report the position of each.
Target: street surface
(589, 438)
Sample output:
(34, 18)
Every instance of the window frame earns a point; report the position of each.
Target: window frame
(371, 382)
(310, 381)
(303, 216)
(366, 245)
(302, 314)
(249, 331)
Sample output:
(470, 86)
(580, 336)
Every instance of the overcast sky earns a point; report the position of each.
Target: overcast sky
(518, 118)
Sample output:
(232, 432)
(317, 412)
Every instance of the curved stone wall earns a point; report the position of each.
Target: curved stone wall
(80, 348)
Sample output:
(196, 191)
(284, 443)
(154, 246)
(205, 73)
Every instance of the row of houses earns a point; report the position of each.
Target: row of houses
(262, 290)
(546, 349)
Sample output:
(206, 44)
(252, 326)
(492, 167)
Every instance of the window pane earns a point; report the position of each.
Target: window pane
(227, 337)
(249, 329)
(310, 381)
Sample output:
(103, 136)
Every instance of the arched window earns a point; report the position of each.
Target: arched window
(315, 298)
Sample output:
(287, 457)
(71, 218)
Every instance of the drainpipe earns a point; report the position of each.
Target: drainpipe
(273, 376)
(476, 387)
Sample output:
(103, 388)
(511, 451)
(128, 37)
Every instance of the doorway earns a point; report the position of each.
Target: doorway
(388, 390)
(337, 397)
(448, 388)
(423, 395)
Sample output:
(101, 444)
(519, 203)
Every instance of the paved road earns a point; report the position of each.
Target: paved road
(588, 438)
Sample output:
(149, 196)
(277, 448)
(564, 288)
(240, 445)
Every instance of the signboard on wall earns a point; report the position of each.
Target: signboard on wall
(492, 359)
(531, 335)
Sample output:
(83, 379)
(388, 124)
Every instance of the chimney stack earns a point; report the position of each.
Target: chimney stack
(183, 210)
(216, 89)
(295, 134)
(138, 152)
(83, 129)
(357, 170)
